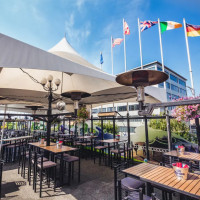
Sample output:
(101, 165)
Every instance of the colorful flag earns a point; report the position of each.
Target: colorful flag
(168, 25)
(147, 24)
(101, 58)
(192, 30)
(116, 41)
(126, 29)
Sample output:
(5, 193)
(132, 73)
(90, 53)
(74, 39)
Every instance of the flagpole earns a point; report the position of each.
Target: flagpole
(161, 49)
(124, 47)
(189, 60)
(100, 60)
(112, 54)
(140, 43)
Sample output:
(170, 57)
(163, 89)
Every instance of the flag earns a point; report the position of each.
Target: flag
(168, 25)
(126, 29)
(101, 58)
(192, 30)
(147, 24)
(116, 41)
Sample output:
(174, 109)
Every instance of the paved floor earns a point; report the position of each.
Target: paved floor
(96, 183)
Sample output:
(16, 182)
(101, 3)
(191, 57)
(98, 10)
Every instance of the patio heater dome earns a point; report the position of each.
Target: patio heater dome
(76, 96)
(34, 108)
(140, 79)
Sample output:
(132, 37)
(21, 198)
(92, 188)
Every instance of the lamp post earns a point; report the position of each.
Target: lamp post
(50, 88)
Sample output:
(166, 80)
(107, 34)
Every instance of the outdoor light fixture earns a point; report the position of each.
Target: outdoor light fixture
(107, 114)
(34, 108)
(140, 79)
(50, 88)
(76, 96)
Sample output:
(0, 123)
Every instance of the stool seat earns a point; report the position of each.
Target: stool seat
(131, 183)
(47, 164)
(71, 159)
(64, 155)
(101, 147)
(117, 151)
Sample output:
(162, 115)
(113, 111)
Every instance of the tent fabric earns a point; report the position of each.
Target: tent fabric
(76, 74)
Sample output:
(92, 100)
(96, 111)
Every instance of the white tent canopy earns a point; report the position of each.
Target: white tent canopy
(18, 87)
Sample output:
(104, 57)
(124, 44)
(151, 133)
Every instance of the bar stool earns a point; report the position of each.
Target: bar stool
(39, 167)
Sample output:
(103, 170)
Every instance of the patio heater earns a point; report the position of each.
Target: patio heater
(140, 79)
(76, 96)
(34, 108)
(50, 88)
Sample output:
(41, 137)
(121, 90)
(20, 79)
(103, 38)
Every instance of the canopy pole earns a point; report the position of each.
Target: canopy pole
(2, 134)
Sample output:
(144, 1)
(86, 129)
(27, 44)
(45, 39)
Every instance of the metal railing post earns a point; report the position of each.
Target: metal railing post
(147, 137)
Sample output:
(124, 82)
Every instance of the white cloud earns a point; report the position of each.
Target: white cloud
(77, 35)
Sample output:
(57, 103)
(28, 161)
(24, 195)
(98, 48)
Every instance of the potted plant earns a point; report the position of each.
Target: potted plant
(82, 114)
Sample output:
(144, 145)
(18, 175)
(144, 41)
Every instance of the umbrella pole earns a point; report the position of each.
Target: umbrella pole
(2, 134)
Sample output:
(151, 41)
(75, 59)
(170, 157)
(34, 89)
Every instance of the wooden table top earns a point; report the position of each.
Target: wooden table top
(165, 177)
(110, 141)
(17, 138)
(87, 137)
(187, 155)
(56, 150)
(38, 144)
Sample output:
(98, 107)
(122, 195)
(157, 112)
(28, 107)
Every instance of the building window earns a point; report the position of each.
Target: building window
(175, 96)
(182, 83)
(168, 85)
(173, 78)
(135, 120)
(133, 107)
(169, 96)
(161, 85)
(175, 88)
(121, 108)
(159, 68)
(102, 109)
(110, 109)
(166, 72)
(183, 92)
(94, 111)
(124, 129)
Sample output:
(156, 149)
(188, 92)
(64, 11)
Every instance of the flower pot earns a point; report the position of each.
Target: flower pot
(59, 146)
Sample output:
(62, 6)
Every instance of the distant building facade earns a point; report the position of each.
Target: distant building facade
(175, 88)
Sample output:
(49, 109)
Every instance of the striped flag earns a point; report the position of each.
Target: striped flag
(192, 30)
(169, 25)
(126, 29)
(147, 24)
(116, 41)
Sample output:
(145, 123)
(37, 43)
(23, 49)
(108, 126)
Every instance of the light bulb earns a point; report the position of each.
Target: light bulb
(44, 81)
(57, 81)
(50, 78)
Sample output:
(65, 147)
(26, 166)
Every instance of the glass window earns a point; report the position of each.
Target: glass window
(135, 120)
(161, 85)
(94, 111)
(159, 68)
(166, 72)
(168, 85)
(124, 129)
(175, 88)
(133, 107)
(173, 78)
(169, 96)
(110, 109)
(175, 96)
(181, 82)
(102, 109)
(121, 108)
(183, 92)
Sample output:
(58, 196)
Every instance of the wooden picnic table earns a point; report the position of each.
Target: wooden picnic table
(187, 155)
(165, 178)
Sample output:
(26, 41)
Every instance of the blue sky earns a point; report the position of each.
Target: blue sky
(89, 25)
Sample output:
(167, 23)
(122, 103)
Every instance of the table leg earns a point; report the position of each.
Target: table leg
(61, 170)
(149, 188)
(108, 154)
